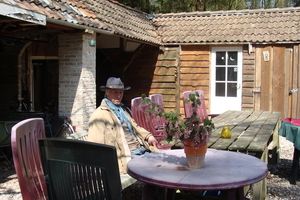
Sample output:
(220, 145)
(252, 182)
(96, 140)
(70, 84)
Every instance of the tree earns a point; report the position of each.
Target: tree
(143, 5)
(175, 6)
(254, 4)
(224, 5)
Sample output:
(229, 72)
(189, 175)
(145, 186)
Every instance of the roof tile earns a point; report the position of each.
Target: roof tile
(100, 14)
(234, 26)
(257, 26)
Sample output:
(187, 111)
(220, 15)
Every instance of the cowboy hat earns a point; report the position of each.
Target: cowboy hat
(114, 83)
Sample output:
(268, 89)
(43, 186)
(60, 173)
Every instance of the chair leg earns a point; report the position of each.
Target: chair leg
(3, 155)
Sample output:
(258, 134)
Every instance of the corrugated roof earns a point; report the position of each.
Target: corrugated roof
(237, 26)
(106, 15)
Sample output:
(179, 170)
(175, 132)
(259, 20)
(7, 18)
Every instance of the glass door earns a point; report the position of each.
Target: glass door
(226, 79)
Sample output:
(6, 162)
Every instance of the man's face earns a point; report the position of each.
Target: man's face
(115, 96)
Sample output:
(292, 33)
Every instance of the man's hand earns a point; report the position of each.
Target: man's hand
(152, 141)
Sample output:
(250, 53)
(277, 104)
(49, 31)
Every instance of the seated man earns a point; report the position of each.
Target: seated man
(112, 124)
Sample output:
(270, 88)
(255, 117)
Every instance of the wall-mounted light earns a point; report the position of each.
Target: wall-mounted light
(92, 42)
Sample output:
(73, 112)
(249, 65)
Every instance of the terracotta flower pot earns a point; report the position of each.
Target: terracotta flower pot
(195, 156)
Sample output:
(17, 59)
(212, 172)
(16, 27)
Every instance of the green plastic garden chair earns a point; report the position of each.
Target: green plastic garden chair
(76, 169)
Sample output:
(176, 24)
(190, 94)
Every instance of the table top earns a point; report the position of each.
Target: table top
(251, 130)
(222, 170)
(291, 133)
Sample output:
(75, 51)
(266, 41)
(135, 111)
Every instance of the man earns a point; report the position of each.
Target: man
(112, 124)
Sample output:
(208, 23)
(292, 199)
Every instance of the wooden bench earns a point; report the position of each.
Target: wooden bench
(126, 179)
(254, 133)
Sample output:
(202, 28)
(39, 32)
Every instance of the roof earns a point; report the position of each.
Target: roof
(280, 25)
(105, 16)
(236, 26)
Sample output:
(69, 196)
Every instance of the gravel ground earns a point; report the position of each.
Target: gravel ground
(278, 185)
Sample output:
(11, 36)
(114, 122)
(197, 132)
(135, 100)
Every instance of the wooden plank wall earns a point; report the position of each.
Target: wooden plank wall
(295, 75)
(276, 74)
(278, 80)
(172, 71)
(165, 77)
(194, 71)
(153, 71)
(248, 79)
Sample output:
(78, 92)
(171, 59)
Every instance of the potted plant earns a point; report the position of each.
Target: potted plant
(192, 134)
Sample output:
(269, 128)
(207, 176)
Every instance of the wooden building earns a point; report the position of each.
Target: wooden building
(243, 60)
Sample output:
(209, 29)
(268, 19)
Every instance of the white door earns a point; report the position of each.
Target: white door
(226, 79)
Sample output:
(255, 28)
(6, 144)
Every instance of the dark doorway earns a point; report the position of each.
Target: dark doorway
(45, 85)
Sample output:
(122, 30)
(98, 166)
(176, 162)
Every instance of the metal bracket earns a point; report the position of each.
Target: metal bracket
(256, 90)
(293, 90)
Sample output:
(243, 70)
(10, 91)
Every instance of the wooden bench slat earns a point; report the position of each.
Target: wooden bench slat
(237, 125)
(264, 136)
(248, 135)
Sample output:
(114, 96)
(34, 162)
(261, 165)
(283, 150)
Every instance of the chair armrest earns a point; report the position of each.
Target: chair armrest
(80, 135)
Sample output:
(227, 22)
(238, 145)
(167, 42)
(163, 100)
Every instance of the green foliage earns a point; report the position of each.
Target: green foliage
(178, 128)
(176, 6)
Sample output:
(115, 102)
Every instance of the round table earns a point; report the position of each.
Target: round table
(223, 170)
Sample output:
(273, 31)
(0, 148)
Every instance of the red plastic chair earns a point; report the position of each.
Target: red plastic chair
(26, 157)
(142, 118)
(201, 111)
(148, 122)
(158, 122)
(137, 114)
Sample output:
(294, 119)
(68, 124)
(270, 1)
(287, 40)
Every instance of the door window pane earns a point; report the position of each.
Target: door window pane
(220, 57)
(232, 58)
(220, 73)
(232, 74)
(231, 89)
(220, 89)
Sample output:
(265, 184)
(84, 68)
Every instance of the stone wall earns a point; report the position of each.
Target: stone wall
(77, 74)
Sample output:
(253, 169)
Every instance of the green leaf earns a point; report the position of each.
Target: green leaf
(192, 97)
(186, 100)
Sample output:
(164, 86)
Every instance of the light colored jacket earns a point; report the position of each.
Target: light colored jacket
(106, 128)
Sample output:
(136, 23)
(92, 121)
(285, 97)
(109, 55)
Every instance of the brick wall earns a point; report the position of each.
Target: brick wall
(77, 74)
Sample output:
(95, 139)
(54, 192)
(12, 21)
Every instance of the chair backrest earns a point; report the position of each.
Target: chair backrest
(26, 157)
(159, 122)
(201, 111)
(142, 118)
(139, 115)
(158, 99)
(80, 170)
